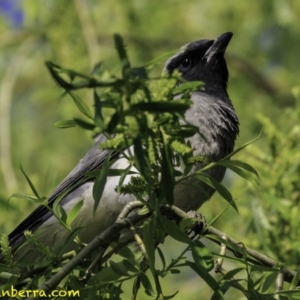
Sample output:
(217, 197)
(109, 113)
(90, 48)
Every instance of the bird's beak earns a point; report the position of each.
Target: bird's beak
(219, 45)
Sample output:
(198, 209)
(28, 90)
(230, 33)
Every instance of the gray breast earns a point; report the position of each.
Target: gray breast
(218, 125)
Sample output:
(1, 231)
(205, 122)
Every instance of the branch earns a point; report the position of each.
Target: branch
(100, 241)
(127, 218)
(263, 259)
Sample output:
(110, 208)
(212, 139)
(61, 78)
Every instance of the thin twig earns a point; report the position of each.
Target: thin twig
(102, 240)
(265, 260)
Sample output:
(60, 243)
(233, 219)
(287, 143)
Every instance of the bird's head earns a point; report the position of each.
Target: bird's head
(203, 60)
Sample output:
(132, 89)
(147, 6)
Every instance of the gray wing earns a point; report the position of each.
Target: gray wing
(93, 160)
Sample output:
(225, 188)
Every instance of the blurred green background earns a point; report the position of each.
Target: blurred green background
(263, 60)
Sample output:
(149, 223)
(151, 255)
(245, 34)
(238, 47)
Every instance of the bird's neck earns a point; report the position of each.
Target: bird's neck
(216, 90)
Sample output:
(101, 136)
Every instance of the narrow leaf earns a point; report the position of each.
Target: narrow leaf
(220, 188)
(147, 285)
(174, 231)
(129, 266)
(84, 124)
(230, 274)
(81, 105)
(69, 241)
(74, 212)
(188, 86)
(149, 244)
(99, 120)
(34, 190)
(119, 44)
(240, 164)
(241, 148)
(203, 273)
(295, 280)
(162, 258)
(106, 275)
(118, 268)
(241, 172)
(202, 256)
(269, 281)
(65, 124)
(98, 68)
(100, 182)
(167, 171)
(25, 197)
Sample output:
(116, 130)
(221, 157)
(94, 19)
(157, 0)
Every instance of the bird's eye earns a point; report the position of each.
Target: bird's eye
(185, 63)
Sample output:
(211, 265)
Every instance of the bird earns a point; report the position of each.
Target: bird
(211, 111)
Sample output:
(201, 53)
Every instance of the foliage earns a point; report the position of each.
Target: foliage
(262, 61)
(275, 214)
(146, 119)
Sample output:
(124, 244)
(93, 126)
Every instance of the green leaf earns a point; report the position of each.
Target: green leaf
(74, 212)
(203, 273)
(129, 266)
(202, 255)
(239, 164)
(100, 182)
(54, 71)
(98, 68)
(118, 268)
(69, 241)
(25, 197)
(184, 132)
(119, 172)
(34, 190)
(187, 222)
(188, 86)
(240, 148)
(140, 159)
(84, 124)
(174, 231)
(269, 281)
(122, 178)
(127, 253)
(295, 293)
(162, 258)
(219, 187)
(99, 120)
(167, 171)
(263, 269)
(119, 44)
(106, 275)
(149, 244)
(230, 274)
(295, 280)
(147, 285)
(81, 105)
(248, 175)
(114, 121)
(65, 124)
(110, 173)
(62, 215)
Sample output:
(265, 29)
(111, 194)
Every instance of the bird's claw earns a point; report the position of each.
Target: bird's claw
(198, 227)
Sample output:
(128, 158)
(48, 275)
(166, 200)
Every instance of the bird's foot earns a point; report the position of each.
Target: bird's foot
(197, 227)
